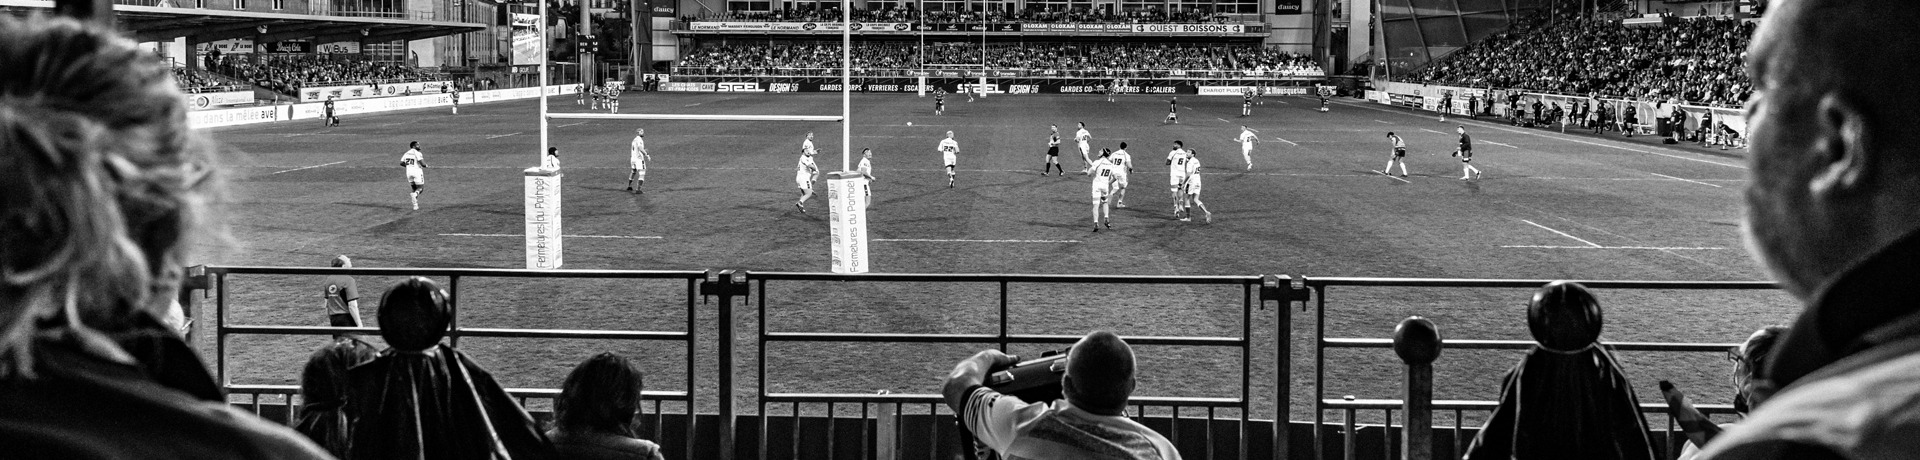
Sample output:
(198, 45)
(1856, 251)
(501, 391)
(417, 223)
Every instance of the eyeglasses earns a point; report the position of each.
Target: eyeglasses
(1734, 356)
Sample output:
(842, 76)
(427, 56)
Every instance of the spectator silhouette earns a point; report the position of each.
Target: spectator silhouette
(323, 395)
(594, 415)
(1089, 423)
(1567, 399)
(102, 184)
(421, 399)
(1749, 360)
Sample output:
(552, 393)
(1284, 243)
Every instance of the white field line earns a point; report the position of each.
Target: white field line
(1431, 131)
(1561, 233)
(306, 168)
(571, 124)
(1686, 180)
(1500, 144)
(1384, 122)
(925, 240)
(497, 136)
(1281, 139)
(1637, 248)
(504, 235)
(1390, 176)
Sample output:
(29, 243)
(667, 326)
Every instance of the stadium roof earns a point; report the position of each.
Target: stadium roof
(158, 23)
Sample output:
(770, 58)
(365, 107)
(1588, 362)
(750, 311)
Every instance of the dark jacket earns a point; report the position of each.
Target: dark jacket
(1845, 381)
(162, 405)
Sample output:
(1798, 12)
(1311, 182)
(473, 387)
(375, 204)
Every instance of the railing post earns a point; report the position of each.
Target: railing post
(1417, 341)
(726, 284)
(196, 279)
(1284, 290)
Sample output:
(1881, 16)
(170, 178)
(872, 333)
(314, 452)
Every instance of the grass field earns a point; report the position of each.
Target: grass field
(719, 195)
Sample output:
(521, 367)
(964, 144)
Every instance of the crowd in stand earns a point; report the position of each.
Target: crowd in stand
(900, 14)
(288, 73)
(196, 81)
(1698, 60)
(775, 59)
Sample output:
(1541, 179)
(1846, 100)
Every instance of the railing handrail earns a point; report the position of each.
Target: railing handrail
(1011, 278)
(516, 392)
(1534, 283)
(486, 272)
(1479, 405)
(1478, 344)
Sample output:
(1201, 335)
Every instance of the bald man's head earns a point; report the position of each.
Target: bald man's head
(1100, 373)
(1833, 166)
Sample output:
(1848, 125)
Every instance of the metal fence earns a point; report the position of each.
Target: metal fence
(1322, 288)
(1243, 343)
(222, 329)
(884, 419)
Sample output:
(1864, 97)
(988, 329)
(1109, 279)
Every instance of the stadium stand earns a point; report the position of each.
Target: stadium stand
(1699, 60)
(288, 73)
(1072, 16)
(195, 81)
(819, 58)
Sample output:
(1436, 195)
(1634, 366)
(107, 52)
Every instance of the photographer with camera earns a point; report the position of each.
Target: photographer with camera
(1089, 422)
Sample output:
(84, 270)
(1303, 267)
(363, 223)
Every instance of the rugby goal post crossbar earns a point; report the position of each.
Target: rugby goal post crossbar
(693, 117)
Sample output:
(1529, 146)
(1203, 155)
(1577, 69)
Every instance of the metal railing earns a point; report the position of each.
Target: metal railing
(223, 330)
(890, 413)
(1249, 287)
(1322, 286)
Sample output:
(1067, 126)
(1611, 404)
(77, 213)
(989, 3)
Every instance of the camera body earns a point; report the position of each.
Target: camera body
(1033, 381)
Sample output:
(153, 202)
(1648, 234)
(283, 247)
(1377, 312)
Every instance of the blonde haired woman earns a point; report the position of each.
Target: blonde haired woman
(101, 184)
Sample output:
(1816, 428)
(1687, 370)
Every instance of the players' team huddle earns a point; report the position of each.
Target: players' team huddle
(601, 96)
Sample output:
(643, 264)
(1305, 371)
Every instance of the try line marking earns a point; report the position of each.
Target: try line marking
(1390, 176)
(1286, 141)
(1561, 233)
(305, 168)
(1686, 180)
(1500, 144)
(497, 136)
(923, 240)
(503, 235)
(571, 124)
(1644, 248)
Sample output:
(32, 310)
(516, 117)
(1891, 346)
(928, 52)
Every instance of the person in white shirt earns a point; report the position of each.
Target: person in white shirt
(416, 164)
(804, 174)
(950, 151)
(1399, 155)
(1125, 162)
(1089, 422)
(1103, 180)
(1247, 138)
(866, 170)
(1177, 176)
(552, 160)
(1086, 155)
(1192, 189)
(637, 158)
